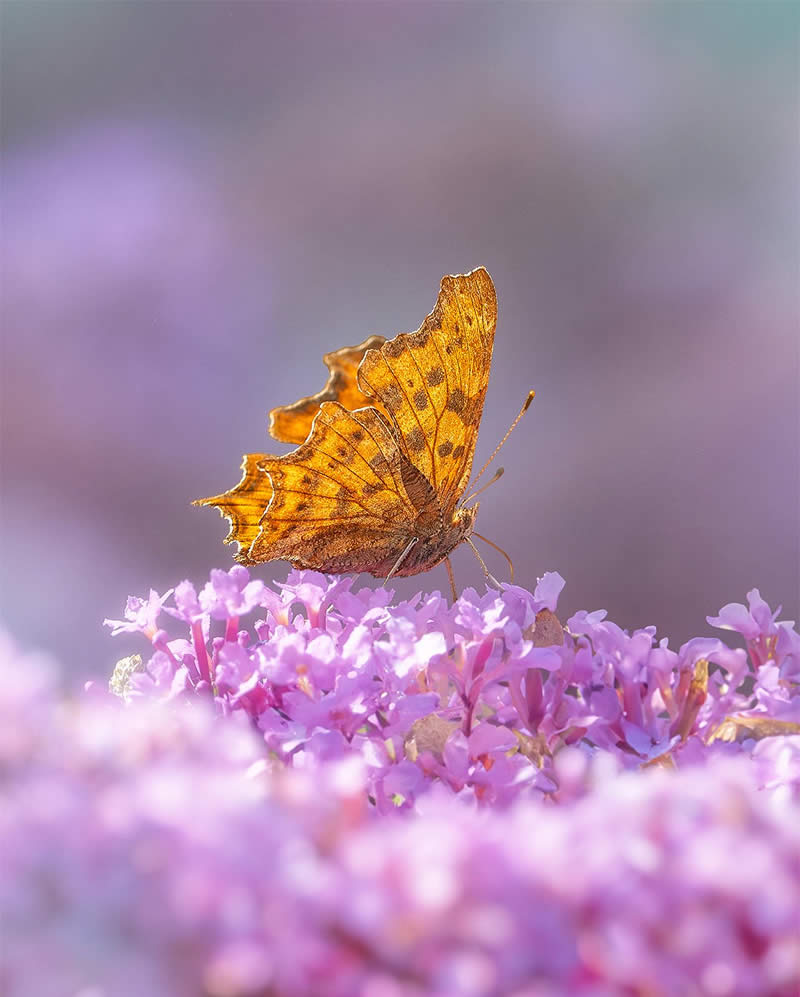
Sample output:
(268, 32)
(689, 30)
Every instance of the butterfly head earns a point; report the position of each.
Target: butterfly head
(464, 519)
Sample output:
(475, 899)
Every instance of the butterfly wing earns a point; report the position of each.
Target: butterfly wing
(346, 500)
(292, 423)
(368, 478)
(433, 382)
(244, 504)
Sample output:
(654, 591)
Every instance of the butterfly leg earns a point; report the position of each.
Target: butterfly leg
(489, 576)
(400, 559)
(452, 579)
(499, 550)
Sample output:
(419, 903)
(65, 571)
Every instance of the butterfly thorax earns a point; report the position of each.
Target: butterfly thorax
(434, 544)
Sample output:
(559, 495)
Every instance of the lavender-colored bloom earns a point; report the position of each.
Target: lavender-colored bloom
(420, 683)
(230, 594)
(187, 605)
(751, 621)
(141, 615)
(773, 649)
(154, 848)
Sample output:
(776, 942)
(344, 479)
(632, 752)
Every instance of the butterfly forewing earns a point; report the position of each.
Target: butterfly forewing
(433, 382)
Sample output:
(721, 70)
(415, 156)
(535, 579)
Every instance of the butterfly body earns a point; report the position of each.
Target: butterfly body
(432, 546)
(385, 450)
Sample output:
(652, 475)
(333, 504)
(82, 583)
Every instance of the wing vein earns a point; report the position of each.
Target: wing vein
(310, 467)
(320, 519)
(341, 463)
(366, 462)
(380, 450)
(382, 480)
(440, 416)
(436, 419)
(411, 409)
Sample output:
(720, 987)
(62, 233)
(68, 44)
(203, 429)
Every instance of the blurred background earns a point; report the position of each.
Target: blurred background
(198, 200)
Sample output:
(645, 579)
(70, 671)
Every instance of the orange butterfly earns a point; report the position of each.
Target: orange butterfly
(385, 453)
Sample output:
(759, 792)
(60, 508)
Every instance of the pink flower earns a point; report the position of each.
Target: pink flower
(141, 615)
(231, 594)
(404, 799)
(324, 671)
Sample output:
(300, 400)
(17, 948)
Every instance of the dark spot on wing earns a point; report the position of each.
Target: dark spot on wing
(394, 348)
(306, 479)
(341, 451)
(370, 489)
(435, 377)
(458, 452)
(456, 401)
(302, 506)
(342, 496)
(379, 464)
(421, 400)
(357, 435)
(448, 349)
(415, 440)
(469, 320)
(392, 397)
(445, 449)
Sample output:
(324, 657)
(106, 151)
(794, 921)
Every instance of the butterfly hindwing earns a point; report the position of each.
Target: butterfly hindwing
(244, 504)
(345, 500)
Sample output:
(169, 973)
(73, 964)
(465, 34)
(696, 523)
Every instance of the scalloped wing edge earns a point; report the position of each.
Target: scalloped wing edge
(237, 504)
(292, 423)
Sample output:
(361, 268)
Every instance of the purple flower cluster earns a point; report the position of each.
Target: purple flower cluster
(482, 697)
(156, 848)
(360, 799)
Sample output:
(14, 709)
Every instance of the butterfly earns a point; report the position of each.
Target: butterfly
(384, 452)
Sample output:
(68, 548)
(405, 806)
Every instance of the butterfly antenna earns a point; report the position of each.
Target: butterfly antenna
(499, 550)
(497, 474)
(511, 428)
(489, 576)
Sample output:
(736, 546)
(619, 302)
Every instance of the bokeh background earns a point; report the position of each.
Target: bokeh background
(200, 199)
